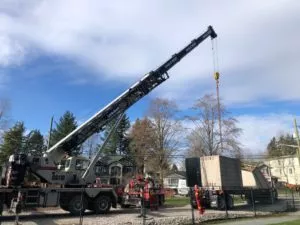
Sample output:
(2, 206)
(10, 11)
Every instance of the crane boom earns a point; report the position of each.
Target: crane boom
(120, 104)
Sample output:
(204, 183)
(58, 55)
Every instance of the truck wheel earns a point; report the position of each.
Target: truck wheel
(249, 200)
(229, 202)
(102, 204)
(161, 200)
(76, 206)
(64, 204)
(1, 207)
(221, 202)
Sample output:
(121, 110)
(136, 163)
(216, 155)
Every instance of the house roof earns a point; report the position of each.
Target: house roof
(124, 160)
(180, 173)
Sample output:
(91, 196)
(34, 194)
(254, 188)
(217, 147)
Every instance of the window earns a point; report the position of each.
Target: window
(290, 171)
(114, 181)
(101, 170)
(127, 170)
(81, 164)
(173, 181)
(68, 162)
(115, 171)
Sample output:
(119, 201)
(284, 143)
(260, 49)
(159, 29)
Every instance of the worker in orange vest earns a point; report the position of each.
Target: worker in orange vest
(198, 197)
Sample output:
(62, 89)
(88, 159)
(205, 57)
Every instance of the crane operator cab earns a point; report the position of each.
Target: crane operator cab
(76, 164)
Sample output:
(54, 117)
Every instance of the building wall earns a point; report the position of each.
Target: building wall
(287, 169)
(171, 181)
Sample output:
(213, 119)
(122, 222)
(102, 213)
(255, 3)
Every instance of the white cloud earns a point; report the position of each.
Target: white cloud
(258, 42)
(11, 52)
(258, 130)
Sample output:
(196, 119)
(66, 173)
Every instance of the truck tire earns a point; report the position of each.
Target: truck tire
(161, 200)
(221, 202)
(229, 202)
(77, 205)
(64, 202)
(102, 204)
(1, 207)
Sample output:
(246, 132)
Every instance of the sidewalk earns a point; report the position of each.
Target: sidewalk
(263, 221)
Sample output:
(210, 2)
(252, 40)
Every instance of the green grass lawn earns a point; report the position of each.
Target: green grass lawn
(237, 199)
(183, 201)
(177, 201)
(294, 222)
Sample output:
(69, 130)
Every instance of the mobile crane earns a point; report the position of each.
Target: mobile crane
(76, 192)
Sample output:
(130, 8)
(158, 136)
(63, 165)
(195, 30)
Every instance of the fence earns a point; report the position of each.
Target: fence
(240, 204)
(249, 203)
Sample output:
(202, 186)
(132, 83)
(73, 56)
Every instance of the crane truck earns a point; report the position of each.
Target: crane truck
(74, 190)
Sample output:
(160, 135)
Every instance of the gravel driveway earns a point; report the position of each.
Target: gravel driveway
(176, 215)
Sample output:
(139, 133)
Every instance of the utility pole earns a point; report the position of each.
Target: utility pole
(297, 137)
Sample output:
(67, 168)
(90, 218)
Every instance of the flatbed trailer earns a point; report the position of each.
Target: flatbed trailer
(216, 198)
(220, 177)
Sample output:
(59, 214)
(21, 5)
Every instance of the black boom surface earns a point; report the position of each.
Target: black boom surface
(193, 173)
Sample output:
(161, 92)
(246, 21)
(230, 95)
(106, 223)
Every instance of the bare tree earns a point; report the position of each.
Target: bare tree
(141, 137)
(167, 134)
(4, 116)
(205, 138)
(90, 146)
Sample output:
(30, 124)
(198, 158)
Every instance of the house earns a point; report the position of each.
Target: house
(286, 168)
(115, 170)
(263, 168)
(171, 180)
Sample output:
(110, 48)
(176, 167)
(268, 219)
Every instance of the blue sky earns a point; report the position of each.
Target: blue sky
(55, 57)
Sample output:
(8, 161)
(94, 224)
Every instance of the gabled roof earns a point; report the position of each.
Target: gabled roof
(124, 160)
(180, 173)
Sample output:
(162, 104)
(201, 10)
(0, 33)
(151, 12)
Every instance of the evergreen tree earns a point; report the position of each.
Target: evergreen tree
(174, 168)
(272, 148)
(34, 143)
(277, 146)
(67, 123)
(119, 141)
(12, 141)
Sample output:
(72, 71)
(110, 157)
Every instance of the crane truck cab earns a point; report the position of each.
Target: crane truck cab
(76, 164)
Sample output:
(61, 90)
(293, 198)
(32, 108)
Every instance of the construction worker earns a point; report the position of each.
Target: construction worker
(198, 197)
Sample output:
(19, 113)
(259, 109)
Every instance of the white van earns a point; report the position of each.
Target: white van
(182, 188)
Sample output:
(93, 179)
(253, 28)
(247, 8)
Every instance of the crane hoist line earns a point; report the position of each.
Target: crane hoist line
(79, 172)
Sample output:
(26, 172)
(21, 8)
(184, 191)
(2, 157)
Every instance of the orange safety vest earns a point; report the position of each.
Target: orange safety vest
(198, 199)
(146, 190)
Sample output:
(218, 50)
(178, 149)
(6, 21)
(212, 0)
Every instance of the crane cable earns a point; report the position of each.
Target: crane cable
(217, 77)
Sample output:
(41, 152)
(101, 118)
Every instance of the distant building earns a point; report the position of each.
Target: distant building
(115, 169)
(286, 168)
(171, 180)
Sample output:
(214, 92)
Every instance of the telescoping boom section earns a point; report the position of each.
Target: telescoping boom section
(119, 105)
